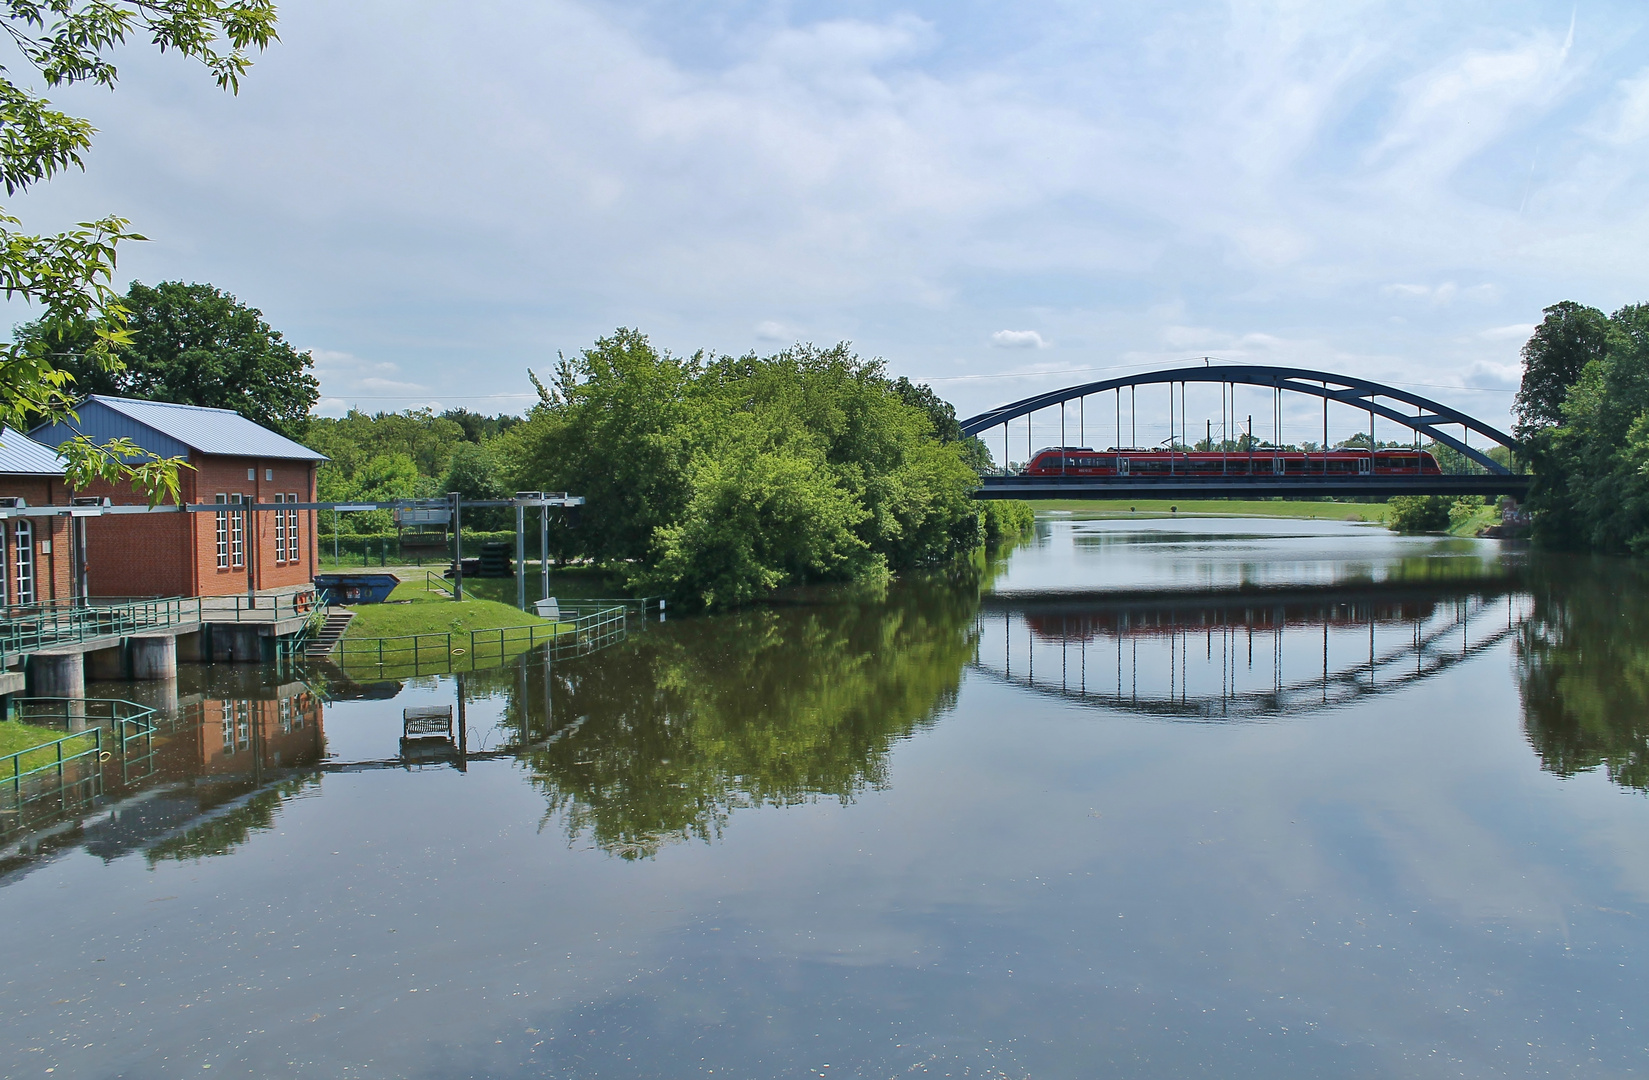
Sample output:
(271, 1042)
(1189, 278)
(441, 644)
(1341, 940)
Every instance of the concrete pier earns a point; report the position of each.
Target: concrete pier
(154, 657)
(57, 673)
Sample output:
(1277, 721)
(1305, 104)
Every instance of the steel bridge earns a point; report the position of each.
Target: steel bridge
(1424, 418)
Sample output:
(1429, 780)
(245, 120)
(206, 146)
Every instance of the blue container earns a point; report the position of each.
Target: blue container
(356, 588)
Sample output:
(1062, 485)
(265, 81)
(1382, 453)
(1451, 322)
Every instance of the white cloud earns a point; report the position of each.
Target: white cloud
(773, 331)
(1018, 339)
(1627, 119)
(1514, 332)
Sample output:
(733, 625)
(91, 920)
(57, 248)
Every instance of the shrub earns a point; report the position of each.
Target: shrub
(1419, 513)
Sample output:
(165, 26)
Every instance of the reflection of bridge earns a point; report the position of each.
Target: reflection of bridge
(1429, 419)
(1235, 656)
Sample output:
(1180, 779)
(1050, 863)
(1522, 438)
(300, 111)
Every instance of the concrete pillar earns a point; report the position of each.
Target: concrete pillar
(154, 656)
(192, 647)
(57, 673)
(239, 643)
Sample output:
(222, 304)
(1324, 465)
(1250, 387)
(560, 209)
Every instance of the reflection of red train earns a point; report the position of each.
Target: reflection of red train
(1172, 620)
(1086, 461)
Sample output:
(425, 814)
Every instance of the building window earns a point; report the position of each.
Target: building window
(269, 474)
(5, 596)
(223, 534)
(237, 533)
(292, 529)
(25, 562)
(280, 530)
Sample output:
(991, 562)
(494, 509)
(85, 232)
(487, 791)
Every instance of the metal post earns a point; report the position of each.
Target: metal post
(457, 545)
(544, 548)
(520, 557)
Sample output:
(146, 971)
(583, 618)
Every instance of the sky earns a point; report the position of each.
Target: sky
(997, 199)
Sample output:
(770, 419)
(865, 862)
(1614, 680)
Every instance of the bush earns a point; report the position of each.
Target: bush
(1419, 513)
(1005, 520)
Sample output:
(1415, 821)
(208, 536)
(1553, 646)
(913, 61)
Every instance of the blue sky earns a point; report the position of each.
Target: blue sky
(997, 198)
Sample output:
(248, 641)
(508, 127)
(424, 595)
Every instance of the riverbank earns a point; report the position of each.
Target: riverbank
(16, 737)
(420, 607)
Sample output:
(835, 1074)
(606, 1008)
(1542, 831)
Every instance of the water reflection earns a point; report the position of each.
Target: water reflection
(199, 785)
(1240, 655)
(662, 740)
(1583, 665)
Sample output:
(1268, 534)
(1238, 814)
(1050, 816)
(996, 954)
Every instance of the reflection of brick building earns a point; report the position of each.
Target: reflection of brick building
(281, 732)
(232, 461)
(35, 552)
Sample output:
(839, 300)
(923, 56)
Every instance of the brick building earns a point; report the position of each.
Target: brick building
(213, 553)
(36, 561)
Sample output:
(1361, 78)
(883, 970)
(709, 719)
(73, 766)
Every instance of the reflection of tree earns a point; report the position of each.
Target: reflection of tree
(222, 833)
(1584, 669)
(662, 739)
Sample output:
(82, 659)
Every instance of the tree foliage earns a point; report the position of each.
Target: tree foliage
(1569, 337)
(1591, 485)
(69, 275)
(721, 478)
(193, 345)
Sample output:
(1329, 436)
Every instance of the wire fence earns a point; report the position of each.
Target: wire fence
(582, 628)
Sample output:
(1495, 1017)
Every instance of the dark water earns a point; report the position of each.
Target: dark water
(1152, 799)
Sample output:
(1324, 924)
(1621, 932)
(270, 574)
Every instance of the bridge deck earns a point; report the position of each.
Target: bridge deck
(1242, 487)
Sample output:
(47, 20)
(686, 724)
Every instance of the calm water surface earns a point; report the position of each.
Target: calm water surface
(1152, 798)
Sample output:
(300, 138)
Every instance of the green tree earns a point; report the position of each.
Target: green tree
(69, 275)
(1569, 337)
(193, 345)
(717, 479)
(473, 473)
(1419, 513)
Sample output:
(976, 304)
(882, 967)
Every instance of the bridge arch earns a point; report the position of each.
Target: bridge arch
(1429, 419)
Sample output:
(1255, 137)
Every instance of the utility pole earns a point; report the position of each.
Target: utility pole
(457, 503)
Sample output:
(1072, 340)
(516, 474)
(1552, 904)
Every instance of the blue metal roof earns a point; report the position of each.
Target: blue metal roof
(22, 456)
(163, 428)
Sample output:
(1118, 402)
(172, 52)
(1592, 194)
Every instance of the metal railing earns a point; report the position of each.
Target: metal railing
(53, 757)
(583, 628)
(42, 626)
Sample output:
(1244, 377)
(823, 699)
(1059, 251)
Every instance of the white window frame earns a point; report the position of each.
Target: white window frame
(222, 517)
(25, 562)
(280, 531)
(237, 533)
(292, 529)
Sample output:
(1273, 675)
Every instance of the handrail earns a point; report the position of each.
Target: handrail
(589, 627)
(16, 774)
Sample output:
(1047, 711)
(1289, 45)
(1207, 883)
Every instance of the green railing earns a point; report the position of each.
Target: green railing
(70, 769)
(53, 757)
(43, 626)
(583, 628)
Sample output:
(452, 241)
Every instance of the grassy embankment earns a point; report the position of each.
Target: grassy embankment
(1323, 510)
(420, 608)
(15, 736)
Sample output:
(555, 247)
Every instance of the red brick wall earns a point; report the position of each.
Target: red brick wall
(176, 554)
(53, 554)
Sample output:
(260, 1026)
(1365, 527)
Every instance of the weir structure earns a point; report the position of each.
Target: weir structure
(1425, 418)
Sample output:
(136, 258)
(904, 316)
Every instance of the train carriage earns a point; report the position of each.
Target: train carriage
(1115, 461)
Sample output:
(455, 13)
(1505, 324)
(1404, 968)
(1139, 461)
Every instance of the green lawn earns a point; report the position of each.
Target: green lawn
(427, 610)
(1337, 511)
(15, 736)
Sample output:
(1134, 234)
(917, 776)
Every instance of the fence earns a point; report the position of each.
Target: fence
(583, 628)
(70, 769)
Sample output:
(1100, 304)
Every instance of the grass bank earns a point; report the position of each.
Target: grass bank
(16, 736)
(1276, 508)
(419, 608)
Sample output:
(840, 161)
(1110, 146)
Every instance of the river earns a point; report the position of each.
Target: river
(1144, 798)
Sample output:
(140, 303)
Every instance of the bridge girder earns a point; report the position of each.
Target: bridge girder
(1345, 389)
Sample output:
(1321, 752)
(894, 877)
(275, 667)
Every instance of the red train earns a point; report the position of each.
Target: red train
(1125, 461)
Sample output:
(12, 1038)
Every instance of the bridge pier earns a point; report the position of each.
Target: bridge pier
(57, 673)
(154, 657)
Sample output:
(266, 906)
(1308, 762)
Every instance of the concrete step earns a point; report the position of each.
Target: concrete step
(326, 639)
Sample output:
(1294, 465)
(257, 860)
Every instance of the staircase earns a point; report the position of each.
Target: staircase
(326, 638)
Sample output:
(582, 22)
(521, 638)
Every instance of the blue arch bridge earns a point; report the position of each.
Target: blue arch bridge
(1121, 405)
